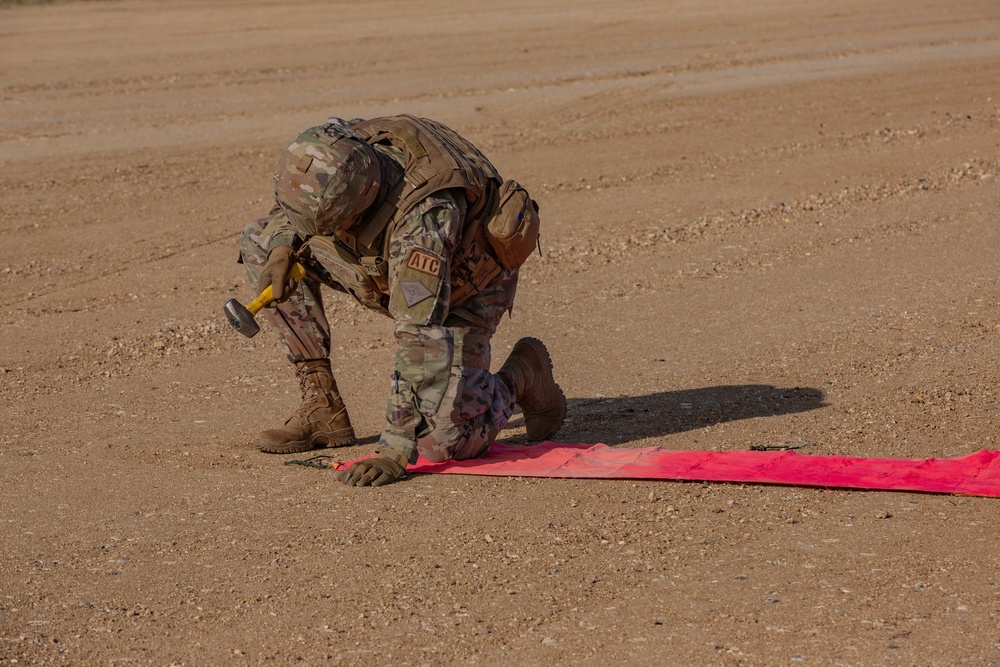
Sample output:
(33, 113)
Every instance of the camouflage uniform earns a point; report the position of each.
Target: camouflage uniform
(444, 402)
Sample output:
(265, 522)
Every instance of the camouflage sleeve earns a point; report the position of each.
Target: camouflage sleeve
(278, 231)
(419, 259)
(419, 289)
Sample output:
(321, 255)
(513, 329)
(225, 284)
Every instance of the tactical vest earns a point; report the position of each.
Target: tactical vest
(436, 158)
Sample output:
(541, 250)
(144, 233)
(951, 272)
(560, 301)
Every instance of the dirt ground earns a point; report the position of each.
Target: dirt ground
(766, 223)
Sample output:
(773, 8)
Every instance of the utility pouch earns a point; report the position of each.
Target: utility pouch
(347, 270)
(473, 275)
(513, 229)
(378, 270)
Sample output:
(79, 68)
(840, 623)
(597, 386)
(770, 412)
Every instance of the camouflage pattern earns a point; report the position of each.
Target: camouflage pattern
(434, 158)
(299, 321)
(432, 229)
(444, 402)
(277, 230)
(326, 178)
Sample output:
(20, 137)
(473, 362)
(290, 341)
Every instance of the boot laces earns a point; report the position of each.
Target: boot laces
(311, 384)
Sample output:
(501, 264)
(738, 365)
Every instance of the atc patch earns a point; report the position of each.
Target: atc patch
(416, 295)
(424, 263)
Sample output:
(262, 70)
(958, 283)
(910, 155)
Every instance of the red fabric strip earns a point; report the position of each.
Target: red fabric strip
(977, 474)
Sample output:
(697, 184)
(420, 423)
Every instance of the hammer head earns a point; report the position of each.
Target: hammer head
(240, 318)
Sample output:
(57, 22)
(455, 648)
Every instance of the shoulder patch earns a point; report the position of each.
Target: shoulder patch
(425, 263)
(418, 293)
(414, 292)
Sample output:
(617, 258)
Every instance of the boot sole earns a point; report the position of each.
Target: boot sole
(538, 347)
(315, 441)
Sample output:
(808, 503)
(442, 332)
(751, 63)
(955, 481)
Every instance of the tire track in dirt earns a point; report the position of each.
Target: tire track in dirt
(148, 196)
(541, 135)
(732, 71)
(949, 125)
(32, 270)
(581, 248)
(661, 84)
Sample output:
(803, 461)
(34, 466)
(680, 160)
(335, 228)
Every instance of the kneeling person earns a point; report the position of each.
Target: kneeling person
(413, 221)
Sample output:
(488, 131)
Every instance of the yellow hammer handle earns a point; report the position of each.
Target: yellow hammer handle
(297, 272)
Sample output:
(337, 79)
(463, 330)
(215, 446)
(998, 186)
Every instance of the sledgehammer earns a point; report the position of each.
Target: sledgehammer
(242, 317)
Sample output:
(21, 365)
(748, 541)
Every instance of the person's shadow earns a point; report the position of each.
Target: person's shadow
(615, 421)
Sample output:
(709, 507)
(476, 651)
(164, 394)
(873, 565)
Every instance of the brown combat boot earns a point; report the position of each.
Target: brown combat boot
(528, 372)
(321, 420)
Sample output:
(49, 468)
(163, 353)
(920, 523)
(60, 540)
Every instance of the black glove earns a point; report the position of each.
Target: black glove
(385, 467)
(275, 273)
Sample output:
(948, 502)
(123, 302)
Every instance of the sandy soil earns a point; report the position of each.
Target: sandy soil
(767, 223)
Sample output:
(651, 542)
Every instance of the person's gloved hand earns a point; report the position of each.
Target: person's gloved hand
(385, 467)
(275, 273)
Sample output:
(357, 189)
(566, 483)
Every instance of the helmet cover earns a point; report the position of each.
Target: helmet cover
(326, 178)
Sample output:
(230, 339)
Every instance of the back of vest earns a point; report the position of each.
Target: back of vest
(437, 158)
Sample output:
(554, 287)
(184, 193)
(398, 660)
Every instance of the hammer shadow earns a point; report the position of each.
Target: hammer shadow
(620, 420)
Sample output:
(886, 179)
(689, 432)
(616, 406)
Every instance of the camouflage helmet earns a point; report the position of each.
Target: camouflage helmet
(326, 178)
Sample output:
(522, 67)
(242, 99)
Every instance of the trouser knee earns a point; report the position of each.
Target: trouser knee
(465, 440)
(476, 406)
